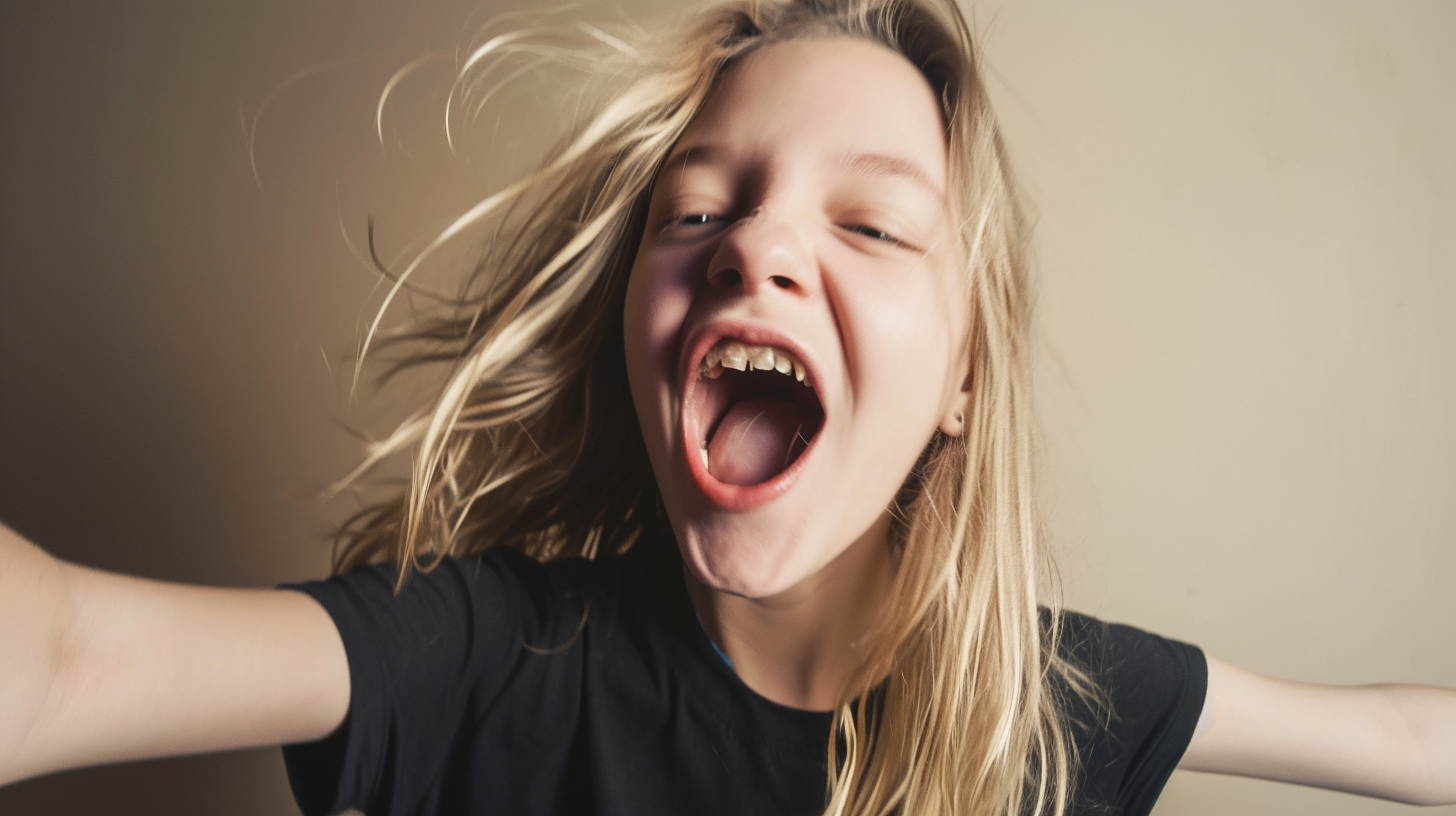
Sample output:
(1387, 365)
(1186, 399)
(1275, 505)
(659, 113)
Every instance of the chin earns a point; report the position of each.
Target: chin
(746, 563)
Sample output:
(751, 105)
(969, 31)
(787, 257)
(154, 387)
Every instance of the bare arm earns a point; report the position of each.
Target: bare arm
(1391, 741)
(103, 668)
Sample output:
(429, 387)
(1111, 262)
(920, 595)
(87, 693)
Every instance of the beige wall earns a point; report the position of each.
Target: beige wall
(1248, 379)
(1247, 260)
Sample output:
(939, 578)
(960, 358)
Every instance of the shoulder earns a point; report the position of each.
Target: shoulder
(1132, 700)
(491, 601)
(1115, 652)
(1131, 672)
(462, 653)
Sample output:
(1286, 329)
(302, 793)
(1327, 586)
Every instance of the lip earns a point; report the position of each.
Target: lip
(739, 497)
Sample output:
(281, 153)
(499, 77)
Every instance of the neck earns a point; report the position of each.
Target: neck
(800, 647)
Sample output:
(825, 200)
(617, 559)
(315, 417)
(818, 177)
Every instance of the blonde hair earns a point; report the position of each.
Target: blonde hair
(532, 441)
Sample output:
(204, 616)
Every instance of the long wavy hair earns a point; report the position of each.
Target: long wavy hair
(531, 442)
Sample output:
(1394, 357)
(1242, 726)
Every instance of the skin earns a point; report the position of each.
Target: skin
(753, 226)
(808, 198)
(103, 667)
(856, 264)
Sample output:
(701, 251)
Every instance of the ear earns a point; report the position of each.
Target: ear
(953, 421)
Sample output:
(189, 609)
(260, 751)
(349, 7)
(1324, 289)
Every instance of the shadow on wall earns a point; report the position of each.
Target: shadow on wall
(1246, 268)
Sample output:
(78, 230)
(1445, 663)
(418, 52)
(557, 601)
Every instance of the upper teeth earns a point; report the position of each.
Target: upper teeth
(744, 357)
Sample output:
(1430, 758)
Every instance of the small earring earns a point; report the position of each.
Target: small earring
(960, 418)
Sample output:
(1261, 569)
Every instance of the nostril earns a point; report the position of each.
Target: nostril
(726, 279)
(782, 282)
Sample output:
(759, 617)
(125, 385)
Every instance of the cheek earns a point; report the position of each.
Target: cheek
(948, 325)
(655, 306)
(640, 341)
(635, 313)
(912, 342)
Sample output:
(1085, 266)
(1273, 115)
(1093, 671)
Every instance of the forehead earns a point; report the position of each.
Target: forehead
(821, 100)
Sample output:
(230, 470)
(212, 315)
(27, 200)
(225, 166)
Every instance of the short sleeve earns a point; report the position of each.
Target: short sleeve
(418, 660)
(1152, 690)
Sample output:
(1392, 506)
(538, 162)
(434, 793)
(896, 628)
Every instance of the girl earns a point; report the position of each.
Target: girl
(793, 250)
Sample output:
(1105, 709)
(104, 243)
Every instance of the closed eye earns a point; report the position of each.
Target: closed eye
(687, 220)
(878, 234)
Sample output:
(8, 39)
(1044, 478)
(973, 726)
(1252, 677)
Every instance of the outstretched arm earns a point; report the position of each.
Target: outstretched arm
(1391, 741)
(103, 668)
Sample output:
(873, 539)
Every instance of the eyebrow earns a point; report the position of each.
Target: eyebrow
(870, 164)
(694, 155)
(881, 164)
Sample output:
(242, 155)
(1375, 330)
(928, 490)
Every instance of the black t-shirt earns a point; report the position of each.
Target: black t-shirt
(481, 689)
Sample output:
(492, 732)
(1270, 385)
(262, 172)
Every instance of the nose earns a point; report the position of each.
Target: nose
(762, 252)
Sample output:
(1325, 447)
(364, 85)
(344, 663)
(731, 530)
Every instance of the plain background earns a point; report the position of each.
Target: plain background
(1246, 245)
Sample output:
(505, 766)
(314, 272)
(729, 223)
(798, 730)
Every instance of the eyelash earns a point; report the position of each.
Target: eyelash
(873, 233)
(683, 220)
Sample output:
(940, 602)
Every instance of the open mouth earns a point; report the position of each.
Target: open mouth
(752, 411)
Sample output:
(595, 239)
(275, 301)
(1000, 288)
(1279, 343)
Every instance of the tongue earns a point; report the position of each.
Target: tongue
(758, 438)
